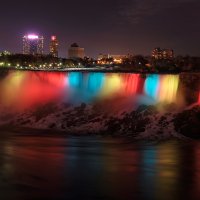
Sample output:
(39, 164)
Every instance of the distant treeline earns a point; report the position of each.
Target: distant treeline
(135, 63)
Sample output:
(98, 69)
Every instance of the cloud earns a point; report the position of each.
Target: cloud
(136, 10)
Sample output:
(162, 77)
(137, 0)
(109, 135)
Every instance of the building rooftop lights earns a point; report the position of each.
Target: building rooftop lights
(33, 37)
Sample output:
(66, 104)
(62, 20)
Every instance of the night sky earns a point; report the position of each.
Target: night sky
(104, 26)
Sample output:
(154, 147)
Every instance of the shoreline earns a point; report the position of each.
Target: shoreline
(8, 132)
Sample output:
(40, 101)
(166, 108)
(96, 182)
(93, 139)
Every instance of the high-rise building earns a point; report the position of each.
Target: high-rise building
(159, 53)
(33, 44)
(168, 54)
(54, 46)
(75, 52)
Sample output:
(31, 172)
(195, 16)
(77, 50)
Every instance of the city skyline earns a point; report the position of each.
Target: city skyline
(116, 27)
(33, 44)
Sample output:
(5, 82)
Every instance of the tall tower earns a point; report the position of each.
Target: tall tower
(54, 46)
(33, 44)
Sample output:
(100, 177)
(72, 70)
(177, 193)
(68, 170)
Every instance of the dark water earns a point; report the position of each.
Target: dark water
(97, 168)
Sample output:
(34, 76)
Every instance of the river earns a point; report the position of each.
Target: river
(35, 167)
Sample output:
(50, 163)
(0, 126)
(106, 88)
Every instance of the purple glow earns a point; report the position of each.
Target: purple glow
(33, 37)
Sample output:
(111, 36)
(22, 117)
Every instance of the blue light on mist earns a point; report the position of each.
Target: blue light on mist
(95, 82)
(84, 87)
(75, 79)
(152, 86)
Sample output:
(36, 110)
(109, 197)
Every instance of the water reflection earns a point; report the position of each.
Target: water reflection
(147, 173)
(89, 168)
(197, 173)
(25, 89)
(167, 179)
